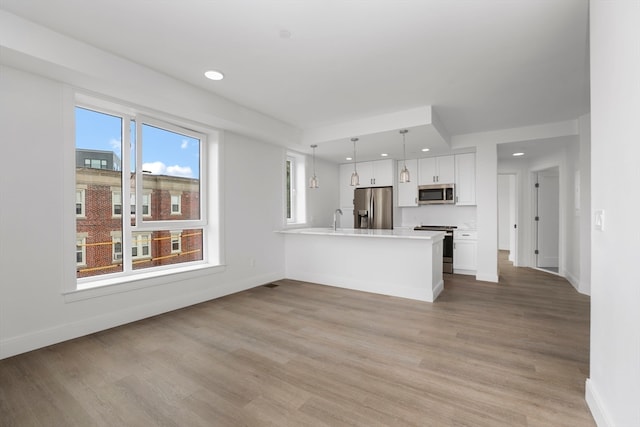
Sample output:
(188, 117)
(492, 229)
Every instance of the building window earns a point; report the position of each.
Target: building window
(81, 250)
(146, 204)
(116, 203)
(80, 202)
(176, 204)
(160, 156)
(176, 242)
(141, 246)
(295, 194)
(116, 244)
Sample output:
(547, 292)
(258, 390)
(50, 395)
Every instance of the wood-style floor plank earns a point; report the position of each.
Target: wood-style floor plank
(514, 353)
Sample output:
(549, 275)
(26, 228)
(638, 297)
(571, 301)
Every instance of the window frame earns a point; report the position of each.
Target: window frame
(295, 189)
(82, 190)
(210, 145)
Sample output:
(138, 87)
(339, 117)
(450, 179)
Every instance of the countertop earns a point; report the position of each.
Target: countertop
(398, 233)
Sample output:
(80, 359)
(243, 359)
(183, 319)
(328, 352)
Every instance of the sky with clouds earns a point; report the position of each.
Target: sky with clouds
(164, 152)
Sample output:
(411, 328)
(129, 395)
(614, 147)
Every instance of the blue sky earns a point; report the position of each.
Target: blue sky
(164, 152)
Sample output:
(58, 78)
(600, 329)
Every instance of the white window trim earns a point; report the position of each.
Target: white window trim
(116, 237)
(139, 241)
(212, 214)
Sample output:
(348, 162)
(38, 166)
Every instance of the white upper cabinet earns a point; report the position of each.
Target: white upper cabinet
(437, 170)
(378, 173)
(408, 191)
(465, 179)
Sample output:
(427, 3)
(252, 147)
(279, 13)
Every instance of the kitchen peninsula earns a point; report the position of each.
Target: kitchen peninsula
(399, 262)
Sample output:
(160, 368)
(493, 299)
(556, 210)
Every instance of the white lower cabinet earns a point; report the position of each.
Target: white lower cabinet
(465, 251)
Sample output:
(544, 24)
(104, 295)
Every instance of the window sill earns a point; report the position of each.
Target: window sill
(100, 288)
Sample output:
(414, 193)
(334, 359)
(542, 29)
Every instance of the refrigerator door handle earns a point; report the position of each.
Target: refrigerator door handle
(372, 212)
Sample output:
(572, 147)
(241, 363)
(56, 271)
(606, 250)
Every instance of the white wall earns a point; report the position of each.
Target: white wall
(613, 387)
(33, 311)
(439, 215)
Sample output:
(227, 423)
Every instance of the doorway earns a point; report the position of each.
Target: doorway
(547, 219)
(508, 216)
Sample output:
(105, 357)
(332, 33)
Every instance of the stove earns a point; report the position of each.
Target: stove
(447, 245)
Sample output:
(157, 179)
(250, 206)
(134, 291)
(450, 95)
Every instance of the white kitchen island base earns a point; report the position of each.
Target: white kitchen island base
(401, 263)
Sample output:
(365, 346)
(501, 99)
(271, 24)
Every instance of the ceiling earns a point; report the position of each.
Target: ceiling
(481, 65)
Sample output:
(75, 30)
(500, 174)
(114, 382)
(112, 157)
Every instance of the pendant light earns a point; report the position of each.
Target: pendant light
(355, 179)
(404, 173)
(313, 183)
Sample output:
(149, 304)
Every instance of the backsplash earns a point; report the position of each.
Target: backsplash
(439, 215)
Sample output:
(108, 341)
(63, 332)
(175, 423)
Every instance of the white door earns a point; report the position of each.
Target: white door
(548, 223)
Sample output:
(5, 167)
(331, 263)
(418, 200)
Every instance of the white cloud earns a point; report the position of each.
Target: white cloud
(156, 168)
(185, 144)
(159, 168)
(115, 145)
(184, 171)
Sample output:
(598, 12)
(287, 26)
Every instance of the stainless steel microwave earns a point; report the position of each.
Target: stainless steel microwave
(436, 194)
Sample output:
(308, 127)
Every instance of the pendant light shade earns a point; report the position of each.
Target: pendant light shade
(355, 179)
(313, 183)
(404, 173)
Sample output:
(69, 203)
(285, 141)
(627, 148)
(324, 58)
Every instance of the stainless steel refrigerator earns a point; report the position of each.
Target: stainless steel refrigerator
(373, 207)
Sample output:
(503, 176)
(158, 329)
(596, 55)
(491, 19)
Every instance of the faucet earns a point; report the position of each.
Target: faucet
(335, 218)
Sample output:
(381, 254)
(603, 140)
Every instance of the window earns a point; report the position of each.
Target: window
(116, 244)
(166, 166)
(176, 242)
(80, 201)
(81, 249)
(116, 202)
(295, 194)
(146, 204)
(176, 203)
(141, 247)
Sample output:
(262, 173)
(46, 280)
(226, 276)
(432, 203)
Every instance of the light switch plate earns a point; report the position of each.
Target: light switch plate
(598, 220)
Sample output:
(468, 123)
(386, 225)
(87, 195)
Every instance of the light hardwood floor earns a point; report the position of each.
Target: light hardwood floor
(509, 354)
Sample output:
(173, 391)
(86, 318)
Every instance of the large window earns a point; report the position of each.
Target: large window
(162, 175)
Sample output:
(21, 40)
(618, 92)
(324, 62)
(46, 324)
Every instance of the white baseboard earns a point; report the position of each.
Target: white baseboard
(487, 278)
(575, 282)
(594, 402)
(45, 337)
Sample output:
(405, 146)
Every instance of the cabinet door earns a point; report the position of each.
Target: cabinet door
(382, 173)
(465, 254)
(427, 172)
(446, 170)
(408, 191)
(346, 190)
(466, 179)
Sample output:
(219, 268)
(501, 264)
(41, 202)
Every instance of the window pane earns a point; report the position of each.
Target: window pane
(98, 139)
(162, 250)
(171, 166)
(289, 187)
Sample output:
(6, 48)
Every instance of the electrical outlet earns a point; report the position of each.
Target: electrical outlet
(598, 220)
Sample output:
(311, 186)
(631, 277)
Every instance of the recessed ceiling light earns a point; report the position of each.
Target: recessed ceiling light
(384, 154)
(425, 149)
(214, 75)
(518, 154)
(348, 158)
